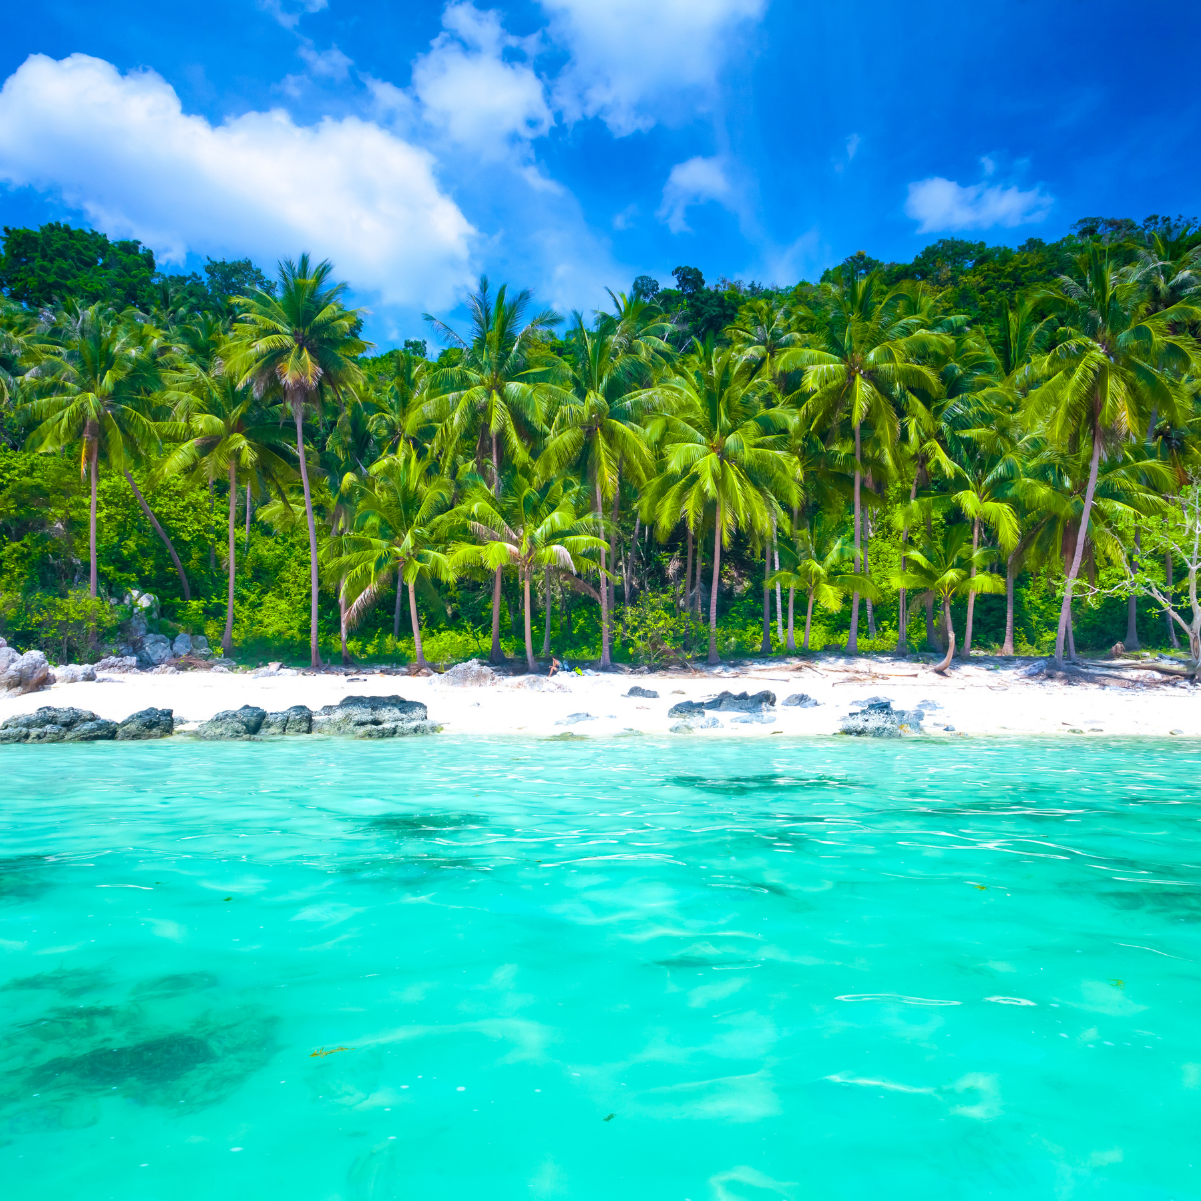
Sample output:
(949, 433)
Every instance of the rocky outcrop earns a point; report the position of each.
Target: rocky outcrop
(648, 693)
(57, 725)
(146, 724)
(296, 720)
(472, 674)
(726, 702)
(878, 719)
(374, 717)
(23, 673)
(153, 650)
(118, 663)
(799, 700)
(233, 723)
(74, 673)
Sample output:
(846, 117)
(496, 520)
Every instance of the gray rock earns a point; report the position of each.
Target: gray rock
(573, 719)
(760, 718)
(74, 673)
(649, 693)
(57, 725)
(686, 709)
(799, 700)
(296, 720)
(8, 656)
(878, 719)
(472, 674)
(118, 663)
(155, 649)
(26, 673)
(182, 644)
(146, 723)
(137, 626)
(165, 669)
(233, 723)
(726, 702)
(696, 721)
(374, 717)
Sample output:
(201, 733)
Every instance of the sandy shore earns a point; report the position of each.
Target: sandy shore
(993, 697)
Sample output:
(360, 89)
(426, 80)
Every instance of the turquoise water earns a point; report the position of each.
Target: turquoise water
(635, 969)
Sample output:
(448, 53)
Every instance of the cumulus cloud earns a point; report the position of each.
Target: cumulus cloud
(121, 149)
(288, 16)
(472, 92)
(693, 182)
(632, 61)
(331, 63)
(939, 204)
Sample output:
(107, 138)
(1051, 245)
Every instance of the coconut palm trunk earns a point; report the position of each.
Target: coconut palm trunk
(342, 628)
(853, 636)
(688, 573)
(546, 627)
(808, 620)
(604, 589)
(1065, 611)
(713, 656)
(1007, 648)
(246, 540)
(1168, 581)
(529, 629)
(775, 550)
(496, 655)
(902, 607)
(417, 647)
(92, 437)
(296, 399)
(1131, 642)
(396, 614)
(158, 529)
(765, 643)
(966, 653)
(227, 639)
(791, 617)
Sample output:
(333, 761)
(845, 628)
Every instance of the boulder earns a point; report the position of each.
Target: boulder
(74, 673)
(574, 719)
(182, 645)
(648, 693)
(118, 663)
(233, 723)
(146, 723)
(374, 717)
(696, 721)
(296, 720)
(726, 702)
(799, 700)
(472, 674)
(761, 718)
(200, 647)
(878, 719)
(23, 673)
(154, 649)
(57, 725)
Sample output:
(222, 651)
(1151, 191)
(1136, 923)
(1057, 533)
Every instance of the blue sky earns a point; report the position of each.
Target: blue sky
(566, 145)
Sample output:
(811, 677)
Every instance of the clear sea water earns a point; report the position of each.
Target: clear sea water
(609, 971)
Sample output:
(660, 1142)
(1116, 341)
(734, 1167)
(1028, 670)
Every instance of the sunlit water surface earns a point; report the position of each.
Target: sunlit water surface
(632, 969)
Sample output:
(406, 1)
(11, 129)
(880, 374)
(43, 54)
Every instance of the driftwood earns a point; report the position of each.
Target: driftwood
(1092, 665)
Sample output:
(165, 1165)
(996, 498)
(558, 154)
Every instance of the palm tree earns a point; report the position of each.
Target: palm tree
(596, 434)
(868, 360)
(301, 344)
(396, 406)
(492, 398)
(529, 526)
(93, 386)
(1116, 363)
(724, 448)
(947, 569)
(397, 535)
(224, 431)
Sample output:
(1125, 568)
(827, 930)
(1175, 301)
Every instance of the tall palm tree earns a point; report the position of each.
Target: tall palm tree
(1115, 364)
(492, 398)
(95, 378)
(397, 535)
(528, 525)
(724, 448)
(867, 361)
(396, 406)
(300, 344)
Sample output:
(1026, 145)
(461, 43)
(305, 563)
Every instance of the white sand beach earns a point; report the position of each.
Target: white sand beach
(986, 697)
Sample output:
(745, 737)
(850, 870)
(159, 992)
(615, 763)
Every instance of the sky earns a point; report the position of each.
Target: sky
(567, 146)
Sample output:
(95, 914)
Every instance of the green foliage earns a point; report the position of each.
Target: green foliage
(75, 628)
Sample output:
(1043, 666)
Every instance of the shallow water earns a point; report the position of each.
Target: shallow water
(641, 969)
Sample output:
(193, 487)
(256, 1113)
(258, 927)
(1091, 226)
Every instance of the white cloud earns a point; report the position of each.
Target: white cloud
(693, 182)
(852, 146)
(941, 204)
(632, 62)
(331, 63)
(289, 18)
(121, 149)
(469, 90)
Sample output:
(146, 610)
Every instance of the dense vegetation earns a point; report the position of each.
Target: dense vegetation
(895, 457)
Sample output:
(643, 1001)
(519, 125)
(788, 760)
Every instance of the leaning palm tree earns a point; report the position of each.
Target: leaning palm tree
(1116, 364)
(491, 399)
(94, 386)
(302, 345)
(397, 536)
(868, 360)
(530, 526)
(721, 447)
(947, 569)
